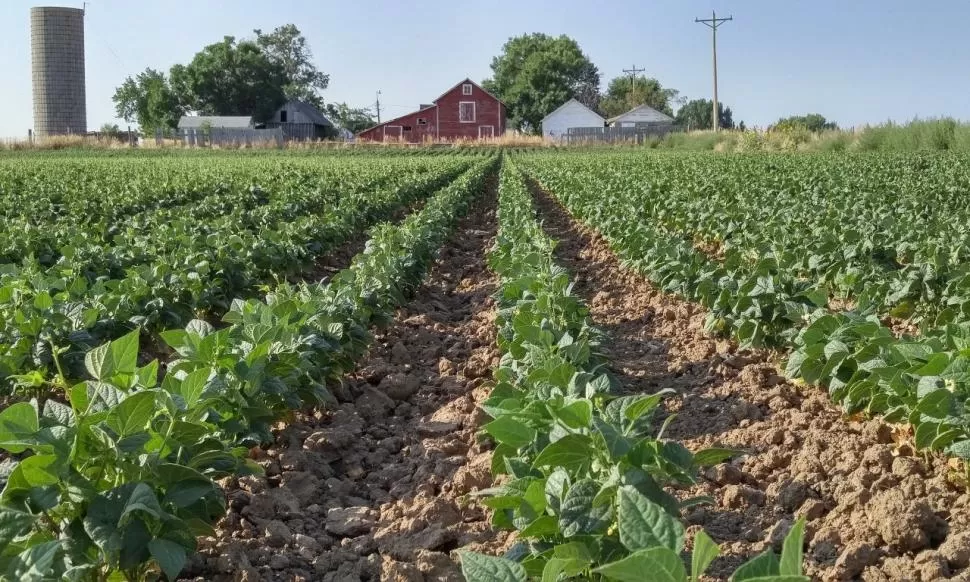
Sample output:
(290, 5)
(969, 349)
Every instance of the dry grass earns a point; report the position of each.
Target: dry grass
(63, 142)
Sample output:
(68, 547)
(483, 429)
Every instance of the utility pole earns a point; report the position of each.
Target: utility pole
(713, 23)
(378, 108)
(633, 76)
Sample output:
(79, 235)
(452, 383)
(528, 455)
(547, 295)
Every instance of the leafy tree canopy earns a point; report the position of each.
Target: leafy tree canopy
(148, 98)
(353, 119)
(812, 122)
(536, 73)
(697, 114)
(231, 77)
(287, 49)
(625, 93)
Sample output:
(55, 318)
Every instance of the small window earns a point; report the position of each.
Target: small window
(466, 112)
(466, 89)
(283, 116)
(407, 128)
(422, 121)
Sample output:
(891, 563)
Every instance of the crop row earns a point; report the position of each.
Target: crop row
(585, 466)
(923, 381)
(50, 317)
(193, 201)
(121, 479)
(888, 233)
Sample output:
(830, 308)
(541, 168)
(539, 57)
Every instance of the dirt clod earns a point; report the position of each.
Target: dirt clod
(904, 524)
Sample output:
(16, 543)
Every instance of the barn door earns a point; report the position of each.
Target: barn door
(393, 132)
(486, 131)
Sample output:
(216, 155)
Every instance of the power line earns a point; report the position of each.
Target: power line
(713, 23)
(633, 76)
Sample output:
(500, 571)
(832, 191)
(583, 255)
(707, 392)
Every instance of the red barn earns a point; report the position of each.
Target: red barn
(464, 111)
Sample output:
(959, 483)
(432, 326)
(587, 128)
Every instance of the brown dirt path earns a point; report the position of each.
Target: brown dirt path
(875, 512)
(376, 489)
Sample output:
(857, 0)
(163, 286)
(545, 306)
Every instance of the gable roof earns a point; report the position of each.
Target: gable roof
(224, 121)
(645, 109)
(572, 100)
(316, 117)
(468, 80)
(434, 104)
(383, 123)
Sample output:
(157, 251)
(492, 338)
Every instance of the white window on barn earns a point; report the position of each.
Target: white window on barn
(466, 89)
(466, 111)
(283, 116)
(422, 121)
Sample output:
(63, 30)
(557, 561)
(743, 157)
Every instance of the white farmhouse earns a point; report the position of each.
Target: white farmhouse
(642, 116)
(570, 114)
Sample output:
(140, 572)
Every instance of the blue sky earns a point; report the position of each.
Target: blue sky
(852, 61)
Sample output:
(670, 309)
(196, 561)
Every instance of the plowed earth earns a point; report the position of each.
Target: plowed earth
(875, 511)
(376, 489)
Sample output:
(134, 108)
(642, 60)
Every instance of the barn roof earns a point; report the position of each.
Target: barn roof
(642, 108)
(309, 110)
(383, 123)
(434, 104)
(468, 80)
(572, 100)
(224, 121)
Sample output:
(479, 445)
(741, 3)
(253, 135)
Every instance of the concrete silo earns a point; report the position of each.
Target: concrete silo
(57, 69)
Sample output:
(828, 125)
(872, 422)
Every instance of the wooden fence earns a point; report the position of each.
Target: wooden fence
(617, 134)
(223, 136)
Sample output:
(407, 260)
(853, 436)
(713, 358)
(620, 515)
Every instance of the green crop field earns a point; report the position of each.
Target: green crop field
(530, 364)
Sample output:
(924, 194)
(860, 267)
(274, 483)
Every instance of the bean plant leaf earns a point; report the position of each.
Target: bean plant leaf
(704, 552)
(171, 556)
(763, 565)
(644, 524)
(567, 567)
(18, 425)
(791, 553)
(98, 362)
(13, 524)
(482, 568)
(579, 515)
(570, 452)
(132, 414)
(35, 563)
(510, 431)
(662, 564)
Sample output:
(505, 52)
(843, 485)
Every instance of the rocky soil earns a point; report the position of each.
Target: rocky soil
(875, 510)
(376, 489)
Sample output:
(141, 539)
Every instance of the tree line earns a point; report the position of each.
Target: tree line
(534, 74)
(252, 76)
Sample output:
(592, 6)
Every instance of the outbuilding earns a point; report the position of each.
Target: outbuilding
(215, 121)
(466, 111)
(301, 120)
(571, 114)
(643, 116)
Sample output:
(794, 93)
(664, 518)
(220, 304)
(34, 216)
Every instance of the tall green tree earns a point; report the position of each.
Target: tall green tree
(625, 93)
(247, 77)
(697, 114)
(232, 78)
(149, 100)
(287, 48)
(353, 119)
(536, 73)
(812, 122)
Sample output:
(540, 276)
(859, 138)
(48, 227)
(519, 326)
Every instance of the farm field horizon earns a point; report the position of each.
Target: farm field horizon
(484, 363)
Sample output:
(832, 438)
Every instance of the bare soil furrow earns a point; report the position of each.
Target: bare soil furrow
(875, 511)
(376, 488)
